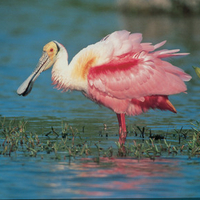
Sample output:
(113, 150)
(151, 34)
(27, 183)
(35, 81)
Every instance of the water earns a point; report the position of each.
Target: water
(121, 178)
(26, 26)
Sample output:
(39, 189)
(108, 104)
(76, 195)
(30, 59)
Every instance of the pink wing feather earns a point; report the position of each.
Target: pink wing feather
(135, 79)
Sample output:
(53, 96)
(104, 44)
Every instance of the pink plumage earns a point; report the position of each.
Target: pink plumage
(135, 79)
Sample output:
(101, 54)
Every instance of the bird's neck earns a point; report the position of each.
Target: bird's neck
(65, 76)
(60, 71)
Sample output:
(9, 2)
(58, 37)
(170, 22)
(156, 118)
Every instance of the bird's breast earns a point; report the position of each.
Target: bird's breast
(82, 63)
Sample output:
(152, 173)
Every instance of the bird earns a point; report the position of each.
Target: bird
(119, 72)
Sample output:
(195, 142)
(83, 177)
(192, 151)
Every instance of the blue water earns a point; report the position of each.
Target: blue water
(116, 178)
(26, 26)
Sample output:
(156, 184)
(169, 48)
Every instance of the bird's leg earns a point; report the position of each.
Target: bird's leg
(122, 128)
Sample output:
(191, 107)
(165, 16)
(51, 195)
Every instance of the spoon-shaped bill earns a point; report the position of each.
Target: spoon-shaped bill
(26, 87)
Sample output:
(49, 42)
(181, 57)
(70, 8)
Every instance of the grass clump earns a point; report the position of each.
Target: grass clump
(15, 139)
(69, 143)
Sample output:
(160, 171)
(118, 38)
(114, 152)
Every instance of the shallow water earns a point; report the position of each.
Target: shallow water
(28, 25)
(115, 178)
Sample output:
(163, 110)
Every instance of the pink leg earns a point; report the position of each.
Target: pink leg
(122, 128)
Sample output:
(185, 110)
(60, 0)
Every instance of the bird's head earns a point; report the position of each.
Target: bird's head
(48, 58)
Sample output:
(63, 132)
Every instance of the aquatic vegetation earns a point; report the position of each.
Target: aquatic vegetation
(197, 70)
(68, 142)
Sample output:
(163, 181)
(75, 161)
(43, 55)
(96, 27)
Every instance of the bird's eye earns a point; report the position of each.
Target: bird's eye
(51, 50)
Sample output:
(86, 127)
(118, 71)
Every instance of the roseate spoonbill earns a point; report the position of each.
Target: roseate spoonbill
(119, 72)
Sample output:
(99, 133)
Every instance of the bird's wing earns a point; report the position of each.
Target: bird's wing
(123, 67)
(134, 73)
(135, 78)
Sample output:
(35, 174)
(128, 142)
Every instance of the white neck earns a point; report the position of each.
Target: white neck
(65, 76)
(60, 71)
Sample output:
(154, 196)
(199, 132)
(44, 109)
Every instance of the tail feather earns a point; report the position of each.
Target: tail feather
(151, 102)
(170, 106)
